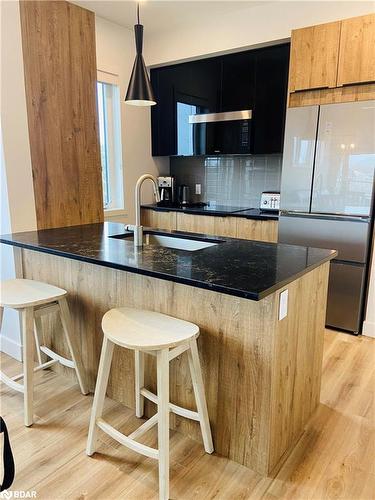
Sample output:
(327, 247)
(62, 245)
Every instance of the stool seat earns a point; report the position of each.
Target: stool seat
(21, 293)
(146, 330)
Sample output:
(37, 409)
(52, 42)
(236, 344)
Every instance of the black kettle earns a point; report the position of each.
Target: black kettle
(183, 194)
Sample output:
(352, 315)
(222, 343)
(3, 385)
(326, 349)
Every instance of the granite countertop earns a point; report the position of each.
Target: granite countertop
(219, 210)
(242, 268)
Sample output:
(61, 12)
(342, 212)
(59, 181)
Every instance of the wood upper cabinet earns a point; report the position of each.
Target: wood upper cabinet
(357, 51)
(332, 63)
(314, 57)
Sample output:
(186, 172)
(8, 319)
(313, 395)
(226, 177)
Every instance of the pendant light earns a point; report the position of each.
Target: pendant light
(139, 90)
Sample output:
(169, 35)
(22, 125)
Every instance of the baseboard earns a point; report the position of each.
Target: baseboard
(10, 347)
(368, 329)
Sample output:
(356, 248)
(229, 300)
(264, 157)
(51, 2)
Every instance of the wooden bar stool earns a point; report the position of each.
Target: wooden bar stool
(166, 338)
(34, 299)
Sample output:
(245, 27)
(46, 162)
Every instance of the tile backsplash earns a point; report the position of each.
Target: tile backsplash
(228, 180)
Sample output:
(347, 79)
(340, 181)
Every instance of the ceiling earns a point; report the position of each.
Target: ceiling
(159, 15)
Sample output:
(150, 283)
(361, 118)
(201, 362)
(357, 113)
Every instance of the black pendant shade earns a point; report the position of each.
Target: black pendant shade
(139, 90)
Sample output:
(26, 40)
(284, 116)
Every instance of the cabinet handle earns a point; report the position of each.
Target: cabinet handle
(352, 84)
(313, 88)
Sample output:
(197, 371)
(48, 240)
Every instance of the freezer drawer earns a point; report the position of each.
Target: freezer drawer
(349, 238)
(345, 296)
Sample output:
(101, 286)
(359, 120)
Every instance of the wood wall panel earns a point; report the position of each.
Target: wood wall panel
(261, 375)
(297, 361)
(59, 54)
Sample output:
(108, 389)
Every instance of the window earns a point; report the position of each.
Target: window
(110, 141)
(191, 139)
(185, 139)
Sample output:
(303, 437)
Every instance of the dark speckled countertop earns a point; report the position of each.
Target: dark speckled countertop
(219, 210)
(242, 268)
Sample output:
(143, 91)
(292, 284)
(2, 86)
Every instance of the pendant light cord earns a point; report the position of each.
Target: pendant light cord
(138, 13)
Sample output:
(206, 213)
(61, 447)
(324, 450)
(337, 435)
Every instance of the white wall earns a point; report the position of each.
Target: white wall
(14, 122)
(244, 27)
(17, 194)
(10, 330)
(115, 54)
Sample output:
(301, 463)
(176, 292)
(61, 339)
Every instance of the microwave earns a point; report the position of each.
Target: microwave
(214, 133)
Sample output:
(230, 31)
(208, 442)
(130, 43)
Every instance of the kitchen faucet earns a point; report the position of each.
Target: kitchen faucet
(137, 228)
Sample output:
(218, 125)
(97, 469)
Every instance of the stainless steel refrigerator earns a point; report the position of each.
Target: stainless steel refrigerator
(327, 197)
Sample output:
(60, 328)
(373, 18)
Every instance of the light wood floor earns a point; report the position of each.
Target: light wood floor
(334, 458)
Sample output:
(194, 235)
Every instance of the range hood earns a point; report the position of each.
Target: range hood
(226, 116)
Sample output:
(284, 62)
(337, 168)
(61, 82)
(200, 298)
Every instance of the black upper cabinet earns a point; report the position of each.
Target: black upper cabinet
(238, 81)
(270, 99)
(254, 80)
(163, 114)
(200, 96)
(183, 90)
(205, 84)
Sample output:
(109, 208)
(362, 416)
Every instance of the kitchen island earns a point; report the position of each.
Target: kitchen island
(261, 362)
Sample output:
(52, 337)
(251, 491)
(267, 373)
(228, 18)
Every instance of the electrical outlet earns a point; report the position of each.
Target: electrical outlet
(198, 189)
(283, 304)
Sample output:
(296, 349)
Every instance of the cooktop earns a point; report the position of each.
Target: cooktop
(203, 207)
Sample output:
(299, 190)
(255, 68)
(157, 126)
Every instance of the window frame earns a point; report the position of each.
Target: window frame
(115, 171)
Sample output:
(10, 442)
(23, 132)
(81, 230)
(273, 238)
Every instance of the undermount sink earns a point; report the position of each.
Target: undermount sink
(168, 241)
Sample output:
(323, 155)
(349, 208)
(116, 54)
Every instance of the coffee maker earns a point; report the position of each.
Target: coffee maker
(166, 190)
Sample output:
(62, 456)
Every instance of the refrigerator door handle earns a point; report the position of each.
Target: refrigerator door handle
(315, 215)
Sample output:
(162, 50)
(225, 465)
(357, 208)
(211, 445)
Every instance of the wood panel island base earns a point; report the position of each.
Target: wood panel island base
(262, 375)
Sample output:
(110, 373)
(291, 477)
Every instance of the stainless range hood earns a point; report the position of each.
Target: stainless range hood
(226, 116)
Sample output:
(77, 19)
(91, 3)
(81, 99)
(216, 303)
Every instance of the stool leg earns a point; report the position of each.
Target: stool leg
(27, 316)
(38, 334)
(196, 377)
(100, 390)
(139, 366)
(163, 422)
(66, 322)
